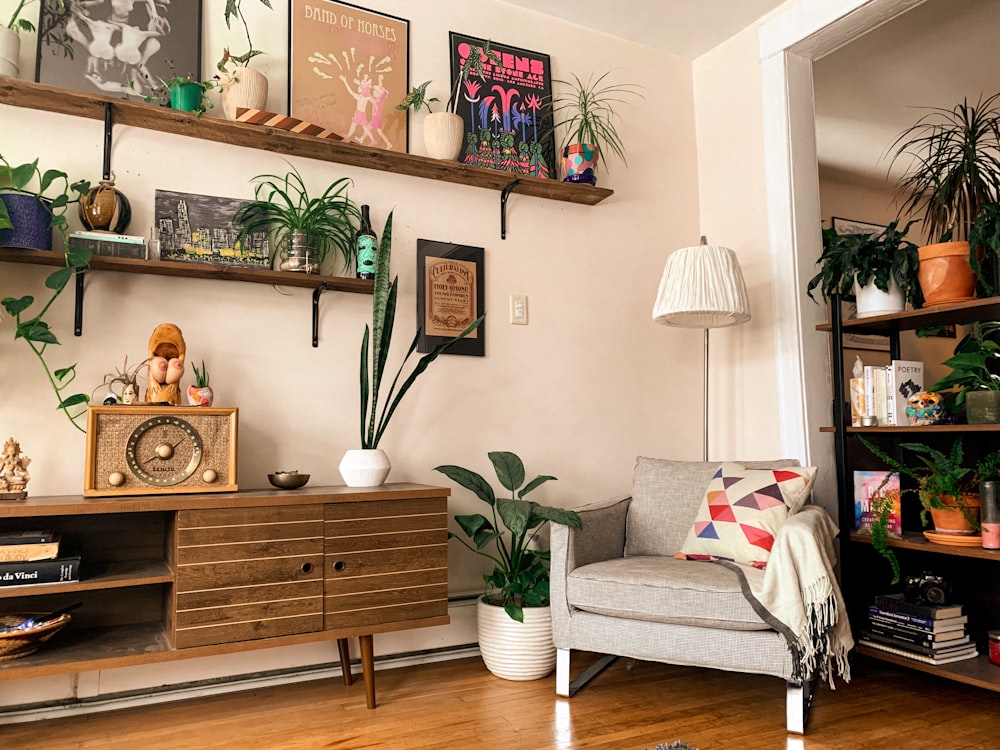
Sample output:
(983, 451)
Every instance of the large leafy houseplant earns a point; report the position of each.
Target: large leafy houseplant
(282, 205)
(861, 259)
(974, 362)
(520, 577)
(376, 411)
(56, 193)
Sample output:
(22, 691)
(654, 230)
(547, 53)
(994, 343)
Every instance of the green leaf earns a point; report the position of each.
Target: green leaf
(15, 306)
(514, 612)
(79, 398)
(470, 480)
(534, 483)
(37, 331)
(509, 469)
(558, 515)
(62, 373)
(79, 257)
(478, 528)
(514, 514)
(59, 278)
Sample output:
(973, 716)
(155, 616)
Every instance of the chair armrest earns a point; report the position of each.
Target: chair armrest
(602, 536)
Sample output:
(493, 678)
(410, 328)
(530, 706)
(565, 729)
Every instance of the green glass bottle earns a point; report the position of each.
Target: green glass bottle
(366, 247)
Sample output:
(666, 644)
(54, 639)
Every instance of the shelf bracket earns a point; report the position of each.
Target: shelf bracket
(504, 194)
(108, 124)
(315, 311)
(78, 307)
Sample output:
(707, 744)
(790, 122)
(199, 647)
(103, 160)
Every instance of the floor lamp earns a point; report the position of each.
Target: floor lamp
(702, 287)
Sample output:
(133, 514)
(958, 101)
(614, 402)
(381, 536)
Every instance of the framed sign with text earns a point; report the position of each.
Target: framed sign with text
(348, 67)
(450, 290)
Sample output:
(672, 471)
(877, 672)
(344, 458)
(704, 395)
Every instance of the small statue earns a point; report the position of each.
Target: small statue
(126, 377)
(925, 408)
(14, 475)
(166, 364)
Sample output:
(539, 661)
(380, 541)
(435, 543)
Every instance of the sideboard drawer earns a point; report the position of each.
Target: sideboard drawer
(246, 573)
(385, 561)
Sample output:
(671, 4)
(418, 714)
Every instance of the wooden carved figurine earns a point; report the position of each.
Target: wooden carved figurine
(166, 365)
(13, 471)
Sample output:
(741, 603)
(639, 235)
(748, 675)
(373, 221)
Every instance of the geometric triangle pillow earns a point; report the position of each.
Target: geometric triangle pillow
(742, 511)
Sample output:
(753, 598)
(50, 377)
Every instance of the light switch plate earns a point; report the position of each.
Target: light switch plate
(519, 309)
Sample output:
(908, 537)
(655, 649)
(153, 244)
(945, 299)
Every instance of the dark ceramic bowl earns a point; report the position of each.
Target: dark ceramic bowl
(288, 480)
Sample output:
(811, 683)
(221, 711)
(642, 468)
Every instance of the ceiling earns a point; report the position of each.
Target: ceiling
(686, 28)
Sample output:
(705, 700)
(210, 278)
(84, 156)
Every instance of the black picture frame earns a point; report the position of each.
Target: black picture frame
(508, 116)
(450, 296)
(118, 48)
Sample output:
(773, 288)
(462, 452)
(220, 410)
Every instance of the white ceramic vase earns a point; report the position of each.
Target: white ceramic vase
(10, 49)
(516, 650)
(365, 467)
(246, 88)
(443, 132)
(872, 301)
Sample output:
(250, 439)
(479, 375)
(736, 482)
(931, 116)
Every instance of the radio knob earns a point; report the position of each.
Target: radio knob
(210, 476)
(116, 479)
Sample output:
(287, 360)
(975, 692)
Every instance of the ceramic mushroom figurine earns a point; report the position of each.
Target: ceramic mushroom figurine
(166, 364)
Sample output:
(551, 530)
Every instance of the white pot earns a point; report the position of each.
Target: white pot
(246, 88)
(10, 48)
(443, 133)
(365, 467)
(873, 301)
(516, 650)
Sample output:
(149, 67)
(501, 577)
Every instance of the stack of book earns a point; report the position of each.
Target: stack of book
(933, 634)
(32, 557)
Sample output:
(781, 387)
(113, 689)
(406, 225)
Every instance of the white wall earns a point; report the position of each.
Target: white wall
(587, 386)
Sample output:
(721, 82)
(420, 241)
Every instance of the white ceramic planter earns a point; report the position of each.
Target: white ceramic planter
(246, 88)
(10, 48)
(443, 133)
(873, 301)
(365, 467)
(516, 650)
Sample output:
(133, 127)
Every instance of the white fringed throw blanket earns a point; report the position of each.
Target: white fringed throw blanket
(798, 595)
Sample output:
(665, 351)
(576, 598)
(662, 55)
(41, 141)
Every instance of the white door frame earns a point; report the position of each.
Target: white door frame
(788, 46)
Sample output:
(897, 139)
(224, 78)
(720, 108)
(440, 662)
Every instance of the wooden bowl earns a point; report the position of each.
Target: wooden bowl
(17, 643)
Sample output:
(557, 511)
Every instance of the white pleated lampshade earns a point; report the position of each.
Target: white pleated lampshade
(702, 287)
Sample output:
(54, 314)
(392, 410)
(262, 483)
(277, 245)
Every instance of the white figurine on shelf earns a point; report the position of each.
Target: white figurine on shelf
(14, 475)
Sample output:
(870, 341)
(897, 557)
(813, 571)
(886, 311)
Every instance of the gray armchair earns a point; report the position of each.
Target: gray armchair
(617, 590)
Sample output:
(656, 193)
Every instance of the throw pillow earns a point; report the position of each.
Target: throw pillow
(742, 511)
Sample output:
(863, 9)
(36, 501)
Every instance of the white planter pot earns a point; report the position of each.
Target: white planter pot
(443, 133)
(365, 468)
(873, 301)
(10, 48)
(246, 88)
(516, 650)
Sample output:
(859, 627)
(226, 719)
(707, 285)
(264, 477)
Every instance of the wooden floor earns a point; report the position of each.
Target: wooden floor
(632, 705)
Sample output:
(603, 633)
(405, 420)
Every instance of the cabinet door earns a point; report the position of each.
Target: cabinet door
(386, 562)
(245, 573)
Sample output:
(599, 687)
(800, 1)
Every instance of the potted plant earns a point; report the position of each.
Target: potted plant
(586, 111)
(46, 206)
(972, 365)
(514, 617)
(879, 269)
(10, 42)
(201, 393)
(954, 170)
(984, 245)
(239, 84)
(444, 131)
(304, 229)
(187, 94)
(368, 466)
(127, 379)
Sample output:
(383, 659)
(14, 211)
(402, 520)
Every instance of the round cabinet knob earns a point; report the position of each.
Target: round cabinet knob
(164, 450)
(209, 476)
(116, 479)
(339, 566)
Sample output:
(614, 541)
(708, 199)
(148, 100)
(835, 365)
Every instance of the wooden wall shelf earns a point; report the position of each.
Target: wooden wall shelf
(38, 96)
(958, 313)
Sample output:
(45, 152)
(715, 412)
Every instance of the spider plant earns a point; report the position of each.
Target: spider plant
(282, 206)
(587, 112)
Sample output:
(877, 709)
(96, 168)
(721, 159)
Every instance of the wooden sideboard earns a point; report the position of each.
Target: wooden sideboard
(180, 576)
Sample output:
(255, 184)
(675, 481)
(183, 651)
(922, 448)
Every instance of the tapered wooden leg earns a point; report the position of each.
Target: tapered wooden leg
(368, 667)
(345, 660)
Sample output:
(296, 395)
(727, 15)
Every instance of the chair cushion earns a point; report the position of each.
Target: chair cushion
(663, 589)
(742, 511)
(666, 496)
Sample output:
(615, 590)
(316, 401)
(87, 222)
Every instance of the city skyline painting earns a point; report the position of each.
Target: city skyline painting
(196, 228)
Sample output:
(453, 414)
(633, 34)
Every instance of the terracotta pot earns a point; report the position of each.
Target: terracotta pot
(443, 134)
(945, 274)
(245, 87)
(951, 520)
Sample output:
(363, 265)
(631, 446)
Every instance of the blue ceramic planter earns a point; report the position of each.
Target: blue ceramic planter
(32, 223)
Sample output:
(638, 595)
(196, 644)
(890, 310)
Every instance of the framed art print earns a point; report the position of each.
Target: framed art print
(195, 228)
(508, 114)
(118, 46)
(450, 296)
(348, 67)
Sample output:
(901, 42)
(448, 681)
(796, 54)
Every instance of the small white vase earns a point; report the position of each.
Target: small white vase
(246, 88)
(10, 49)
(443, 133)
(872, 301)
(365, 467)
(516, 650)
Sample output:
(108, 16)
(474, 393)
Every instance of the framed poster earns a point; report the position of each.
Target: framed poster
(508, 116)
(347, 69)
(118, 46)
(450, 296)
(196, 228)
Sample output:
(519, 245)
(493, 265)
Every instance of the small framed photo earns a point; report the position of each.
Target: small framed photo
(196, 228)
(347, 69)
(850, 226)
(450, 289)
(118, 47)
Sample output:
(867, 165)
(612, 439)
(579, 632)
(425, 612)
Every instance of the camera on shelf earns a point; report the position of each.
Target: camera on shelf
(926, 588)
